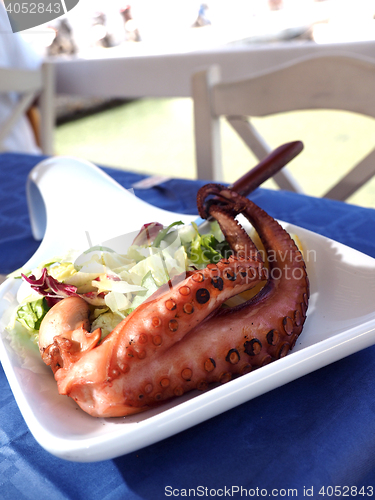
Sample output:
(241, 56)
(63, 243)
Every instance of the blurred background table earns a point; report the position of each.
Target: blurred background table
(134, 72)
(315, 432)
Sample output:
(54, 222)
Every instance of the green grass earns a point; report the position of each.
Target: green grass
(155, 136)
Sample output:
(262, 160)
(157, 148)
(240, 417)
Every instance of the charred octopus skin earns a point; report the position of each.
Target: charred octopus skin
(183, 338)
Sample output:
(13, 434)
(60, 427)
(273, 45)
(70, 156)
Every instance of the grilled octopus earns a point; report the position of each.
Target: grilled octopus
(184, 337)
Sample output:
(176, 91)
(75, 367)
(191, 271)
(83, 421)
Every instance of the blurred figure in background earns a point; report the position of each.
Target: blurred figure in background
(63, 43)
(202, 19)
(131, 29)
(16, 53)
(275, 4)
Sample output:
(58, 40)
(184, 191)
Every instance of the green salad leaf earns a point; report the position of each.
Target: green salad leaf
(206, 248)
(149, 283)
(31, 314)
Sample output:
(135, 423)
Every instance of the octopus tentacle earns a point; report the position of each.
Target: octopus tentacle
(242, 338)
(183, 338)
(278, 312)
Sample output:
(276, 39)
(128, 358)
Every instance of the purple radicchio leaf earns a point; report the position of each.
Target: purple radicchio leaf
(52, 289)
(148, 233)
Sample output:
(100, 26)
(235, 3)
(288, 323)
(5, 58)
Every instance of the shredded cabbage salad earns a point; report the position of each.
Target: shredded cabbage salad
(115, 284)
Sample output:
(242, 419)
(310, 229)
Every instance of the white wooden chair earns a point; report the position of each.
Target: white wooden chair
(331, 81)
(29, 85)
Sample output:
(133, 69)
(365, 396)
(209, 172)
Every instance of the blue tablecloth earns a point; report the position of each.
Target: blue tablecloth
(316, 432)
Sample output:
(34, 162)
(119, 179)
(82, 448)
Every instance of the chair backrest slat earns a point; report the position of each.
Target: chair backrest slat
(20, 80)
(335, 81)
(319, 82)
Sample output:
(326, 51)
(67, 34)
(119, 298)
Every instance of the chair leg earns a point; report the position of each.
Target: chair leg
(354, 180)
(206, 127)
(47, 110)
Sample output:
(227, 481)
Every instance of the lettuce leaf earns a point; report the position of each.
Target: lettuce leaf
(206, 248)
(31, 314)
(150, 286)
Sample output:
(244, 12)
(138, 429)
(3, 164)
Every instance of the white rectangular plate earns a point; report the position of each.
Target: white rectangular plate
(341, 321)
